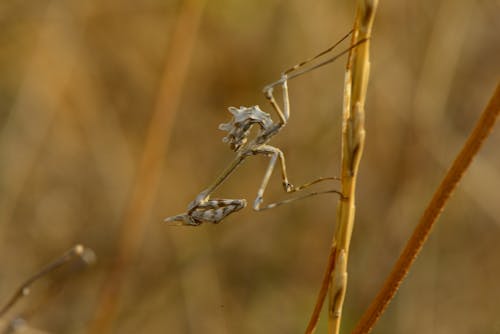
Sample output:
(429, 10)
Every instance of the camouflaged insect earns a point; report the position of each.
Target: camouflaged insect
(203, 209)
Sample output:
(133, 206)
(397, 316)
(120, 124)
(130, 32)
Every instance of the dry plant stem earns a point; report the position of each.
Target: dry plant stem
(77, 251)
(149, 171)
(430, 215)
(353, 135)
(313, 322)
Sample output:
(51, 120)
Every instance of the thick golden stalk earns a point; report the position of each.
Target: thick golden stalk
(353, 138)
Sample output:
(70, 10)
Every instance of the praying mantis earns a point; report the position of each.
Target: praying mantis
(203, 209)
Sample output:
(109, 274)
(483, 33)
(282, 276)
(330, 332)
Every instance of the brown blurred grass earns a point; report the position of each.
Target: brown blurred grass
(77, 89)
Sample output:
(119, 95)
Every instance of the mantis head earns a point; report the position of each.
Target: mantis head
(239, 127)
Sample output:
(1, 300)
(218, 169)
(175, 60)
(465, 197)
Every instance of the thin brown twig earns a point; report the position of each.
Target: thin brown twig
(150, 167)
(78, 251)
(313, 322)
(430, 215)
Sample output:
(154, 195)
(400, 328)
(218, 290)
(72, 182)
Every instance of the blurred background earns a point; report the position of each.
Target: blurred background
(108, 123)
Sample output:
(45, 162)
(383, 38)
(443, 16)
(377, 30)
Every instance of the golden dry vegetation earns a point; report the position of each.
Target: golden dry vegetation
(86, 87)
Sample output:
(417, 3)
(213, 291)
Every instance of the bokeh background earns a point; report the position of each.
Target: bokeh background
(87, 87)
